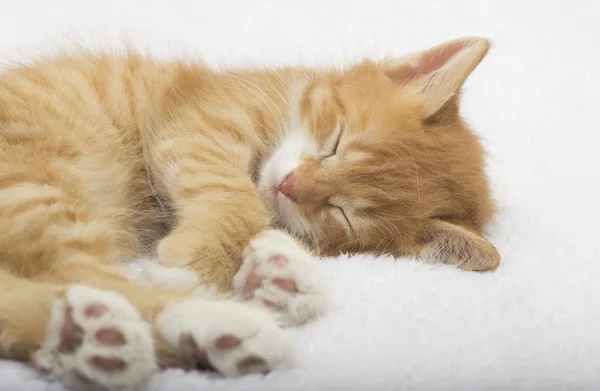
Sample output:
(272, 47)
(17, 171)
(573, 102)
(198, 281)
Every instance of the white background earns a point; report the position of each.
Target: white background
(532, 325)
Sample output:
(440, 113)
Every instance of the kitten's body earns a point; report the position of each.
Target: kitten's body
(102, 156)
(107, 128)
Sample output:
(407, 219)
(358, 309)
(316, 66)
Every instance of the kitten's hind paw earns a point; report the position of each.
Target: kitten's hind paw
(97, 340)
(231, 337)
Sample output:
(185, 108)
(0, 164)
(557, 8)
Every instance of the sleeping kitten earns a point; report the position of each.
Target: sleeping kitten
(102, 156)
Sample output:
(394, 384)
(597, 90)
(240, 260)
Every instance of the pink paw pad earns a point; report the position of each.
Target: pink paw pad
(110, 337)
(95, 310)
(279, 260)
(252, 283)
(286, 284)
(71, 335)
(227, 341)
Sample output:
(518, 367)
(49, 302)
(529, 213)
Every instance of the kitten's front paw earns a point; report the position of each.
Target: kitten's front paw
(97, 339)
(279, 274)
(231, 337)
(174, 250)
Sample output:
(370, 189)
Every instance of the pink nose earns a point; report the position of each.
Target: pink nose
(287, 187)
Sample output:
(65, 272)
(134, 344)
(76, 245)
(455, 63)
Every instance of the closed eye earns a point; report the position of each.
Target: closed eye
(337, 143)
(338, 138)
(343, 212)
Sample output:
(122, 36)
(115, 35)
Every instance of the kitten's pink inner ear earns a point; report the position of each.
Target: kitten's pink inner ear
(438, 73)
(424, 63)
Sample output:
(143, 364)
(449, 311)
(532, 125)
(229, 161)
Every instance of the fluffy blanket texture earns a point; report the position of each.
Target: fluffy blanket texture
(534, 324)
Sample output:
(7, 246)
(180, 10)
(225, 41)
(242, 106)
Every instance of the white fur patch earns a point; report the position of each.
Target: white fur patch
(207, 321)
(309, 302)
(137, 351)
(296, 143)
(152, 273)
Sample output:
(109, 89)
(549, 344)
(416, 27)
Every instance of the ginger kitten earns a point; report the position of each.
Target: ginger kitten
(102, 156)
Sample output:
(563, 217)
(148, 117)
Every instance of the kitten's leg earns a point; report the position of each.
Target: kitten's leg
(223, 225)
(52, 233)
(202, 332)
(24, 313)
(217, 207)
(86, 336)
(190, 331)
(45, 218)
(233, 338)
(82, 335)
(56, 251)
(51, 238)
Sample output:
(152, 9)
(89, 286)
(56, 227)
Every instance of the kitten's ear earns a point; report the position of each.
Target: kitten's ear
(451, 244)
(438, 73)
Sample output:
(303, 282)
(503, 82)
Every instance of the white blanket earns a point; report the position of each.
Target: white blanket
(534, 324)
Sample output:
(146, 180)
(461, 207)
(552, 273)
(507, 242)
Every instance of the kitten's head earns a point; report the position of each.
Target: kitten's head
(377, 159)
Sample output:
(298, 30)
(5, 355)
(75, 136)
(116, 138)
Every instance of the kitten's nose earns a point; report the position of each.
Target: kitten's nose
(287, 187)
